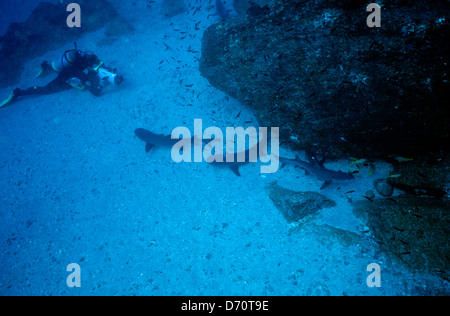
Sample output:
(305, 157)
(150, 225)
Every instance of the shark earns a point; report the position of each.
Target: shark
(316, 168)
(222, 11)
(235, 165)
(159, 140)
(154, 140)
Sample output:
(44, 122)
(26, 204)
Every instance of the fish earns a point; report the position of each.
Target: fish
(403, 159)
(235, 165)
(316, 168)
(154, 140)
(357, 161)
(167, 46)
(371, 169)
(158, 140)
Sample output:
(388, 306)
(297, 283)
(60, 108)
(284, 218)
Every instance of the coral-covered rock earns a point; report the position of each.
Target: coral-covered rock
(412, 230)
(297, 206)
(242, 6)
(383, 187)
(422, 178)
(332, 84)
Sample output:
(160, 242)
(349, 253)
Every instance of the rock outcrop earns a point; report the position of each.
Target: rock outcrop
(242, 6)
(414, 231)
(332, 84)
(297, 206)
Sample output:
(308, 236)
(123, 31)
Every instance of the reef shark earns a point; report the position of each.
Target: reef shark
(158, 140)
(316, 168)
(234, 166)
(154, 140)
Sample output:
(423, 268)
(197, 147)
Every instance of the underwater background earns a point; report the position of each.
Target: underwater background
(79, 187)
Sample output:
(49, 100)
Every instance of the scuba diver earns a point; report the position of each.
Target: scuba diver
(76, 69)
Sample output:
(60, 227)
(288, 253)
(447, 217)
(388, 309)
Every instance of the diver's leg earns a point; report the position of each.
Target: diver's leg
(57, 85)
(45, 69)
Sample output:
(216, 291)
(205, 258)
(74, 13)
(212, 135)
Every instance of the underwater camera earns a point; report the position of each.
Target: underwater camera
(109, 76)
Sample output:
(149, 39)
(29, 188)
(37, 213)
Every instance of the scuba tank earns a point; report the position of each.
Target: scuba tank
(69, 58)
(66, 60)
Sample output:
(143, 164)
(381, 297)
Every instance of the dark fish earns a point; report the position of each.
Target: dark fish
(157, 140)
(154, 140)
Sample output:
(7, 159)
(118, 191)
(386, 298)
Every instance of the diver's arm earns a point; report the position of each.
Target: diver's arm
(95, 90)
(89, 60)
(92, 82)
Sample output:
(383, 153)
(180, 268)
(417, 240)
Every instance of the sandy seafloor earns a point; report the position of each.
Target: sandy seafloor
(77, 186)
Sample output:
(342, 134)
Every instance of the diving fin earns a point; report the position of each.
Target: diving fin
(11, 99)
(325, 184)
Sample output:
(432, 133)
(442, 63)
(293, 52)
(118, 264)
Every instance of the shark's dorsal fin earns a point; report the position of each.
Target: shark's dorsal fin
(321, 162)
(325, 184)
(314, 161)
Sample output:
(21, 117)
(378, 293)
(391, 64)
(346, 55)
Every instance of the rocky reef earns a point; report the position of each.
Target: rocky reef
(339, 88)
(46, 29)
(423, 178)
(242, 6)
(335, 86)
(297, 206)
(414, 231)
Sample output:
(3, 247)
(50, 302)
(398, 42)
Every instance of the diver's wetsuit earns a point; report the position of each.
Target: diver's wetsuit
(82, 68)
(77, 69)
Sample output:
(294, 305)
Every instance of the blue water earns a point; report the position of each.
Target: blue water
(78, 187)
